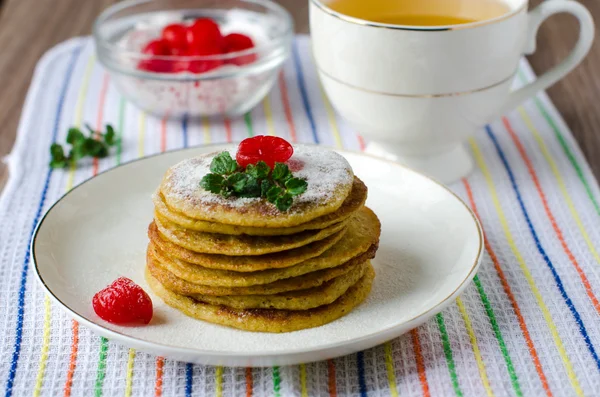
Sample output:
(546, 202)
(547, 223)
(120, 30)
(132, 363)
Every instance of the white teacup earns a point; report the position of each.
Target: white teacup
(417, 92)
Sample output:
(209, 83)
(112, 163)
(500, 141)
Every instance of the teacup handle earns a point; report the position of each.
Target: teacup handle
(535, 19)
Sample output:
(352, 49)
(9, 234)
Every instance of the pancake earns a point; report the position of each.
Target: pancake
(267, 320)
(310, 280)
(328, 174)
(362, 232)
(354, 201)
(225, 244)
(361, 237)
(224, 278)
(295, 300)
(244, 263)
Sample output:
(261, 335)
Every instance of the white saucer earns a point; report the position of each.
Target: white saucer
(430, 249)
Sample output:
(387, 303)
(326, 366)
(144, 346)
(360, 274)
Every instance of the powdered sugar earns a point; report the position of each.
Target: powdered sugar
(324, 171)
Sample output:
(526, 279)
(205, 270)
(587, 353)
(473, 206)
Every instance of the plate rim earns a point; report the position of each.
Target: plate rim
(394, 330)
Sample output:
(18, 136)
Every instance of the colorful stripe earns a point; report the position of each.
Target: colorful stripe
(269, 116)
(480, 364)
(560, 180)
(101, 371)
(360, 366)
(565, 146)
(141, 133)
(119, 150)
(285, 100)
(303, 93)
(276, 382)
(361, 142)
(526, 273)
(189, 377)
(511, 297)
(249, 382)
(549, 214)
(78, 122)
(492, 317)
(420, 362)
(331, 117)
(447, 353)
(228, 135)
(542, 251)
(331, 378)
(72, 358)
(303, 389)
(184, 130)
(218, 381)
(158, 384)
(389, 367)
(24, 270)
(163, 134)
(45, 347)
(248, 122)
(129, 375)
(206, 130)
(100, 117)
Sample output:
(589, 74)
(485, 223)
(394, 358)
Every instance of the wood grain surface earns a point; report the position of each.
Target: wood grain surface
(28, 28)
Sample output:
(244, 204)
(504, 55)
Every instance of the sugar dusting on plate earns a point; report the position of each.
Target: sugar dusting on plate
(323, 170)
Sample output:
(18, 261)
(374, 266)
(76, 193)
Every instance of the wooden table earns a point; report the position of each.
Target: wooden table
(30, 27)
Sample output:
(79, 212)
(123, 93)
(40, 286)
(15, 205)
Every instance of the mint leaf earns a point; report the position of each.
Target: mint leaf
(222, 163)
(252, 188)
(265, 185)
(212, 182)
(95, 148)
(281, 172)
(57, 156)
(110, 136)
(284, 202)
(295, 186)
(259, 171)
(273, 193)
(74, 135)
(238, 182)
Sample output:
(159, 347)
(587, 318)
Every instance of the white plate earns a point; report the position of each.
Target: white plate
(430, 249)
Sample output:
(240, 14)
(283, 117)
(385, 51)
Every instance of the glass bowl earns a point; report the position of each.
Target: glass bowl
(122, 30)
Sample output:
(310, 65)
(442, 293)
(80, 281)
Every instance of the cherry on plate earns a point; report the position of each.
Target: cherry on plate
(123, 302)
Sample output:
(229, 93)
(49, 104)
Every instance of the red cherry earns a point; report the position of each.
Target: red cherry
(204, 33)
(175, 35)
(201, 66)
(270, 149)
(123, 302)
(157, 47)
(239, 42)
(155, 65)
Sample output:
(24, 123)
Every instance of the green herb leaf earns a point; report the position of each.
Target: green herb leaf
(273, 193)
(95, 148)
(295, 186)
(57, 154)
(252, 188)
(259, 171)
(281, 172)
(238, 182)
(265, 185)
(284, 202)
(213, 183)
(110, 136)
(222, 163)
(74, 135)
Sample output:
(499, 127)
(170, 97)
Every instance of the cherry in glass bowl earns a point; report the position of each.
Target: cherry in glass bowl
(166, 85)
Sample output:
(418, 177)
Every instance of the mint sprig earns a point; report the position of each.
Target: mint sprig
(278, 186)
(95, 144)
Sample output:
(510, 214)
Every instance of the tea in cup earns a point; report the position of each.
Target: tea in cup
(417, 78)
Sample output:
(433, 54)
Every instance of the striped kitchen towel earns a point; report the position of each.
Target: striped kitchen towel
(528, 325)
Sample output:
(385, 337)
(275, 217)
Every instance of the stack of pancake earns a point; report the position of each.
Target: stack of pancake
(244, 264)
